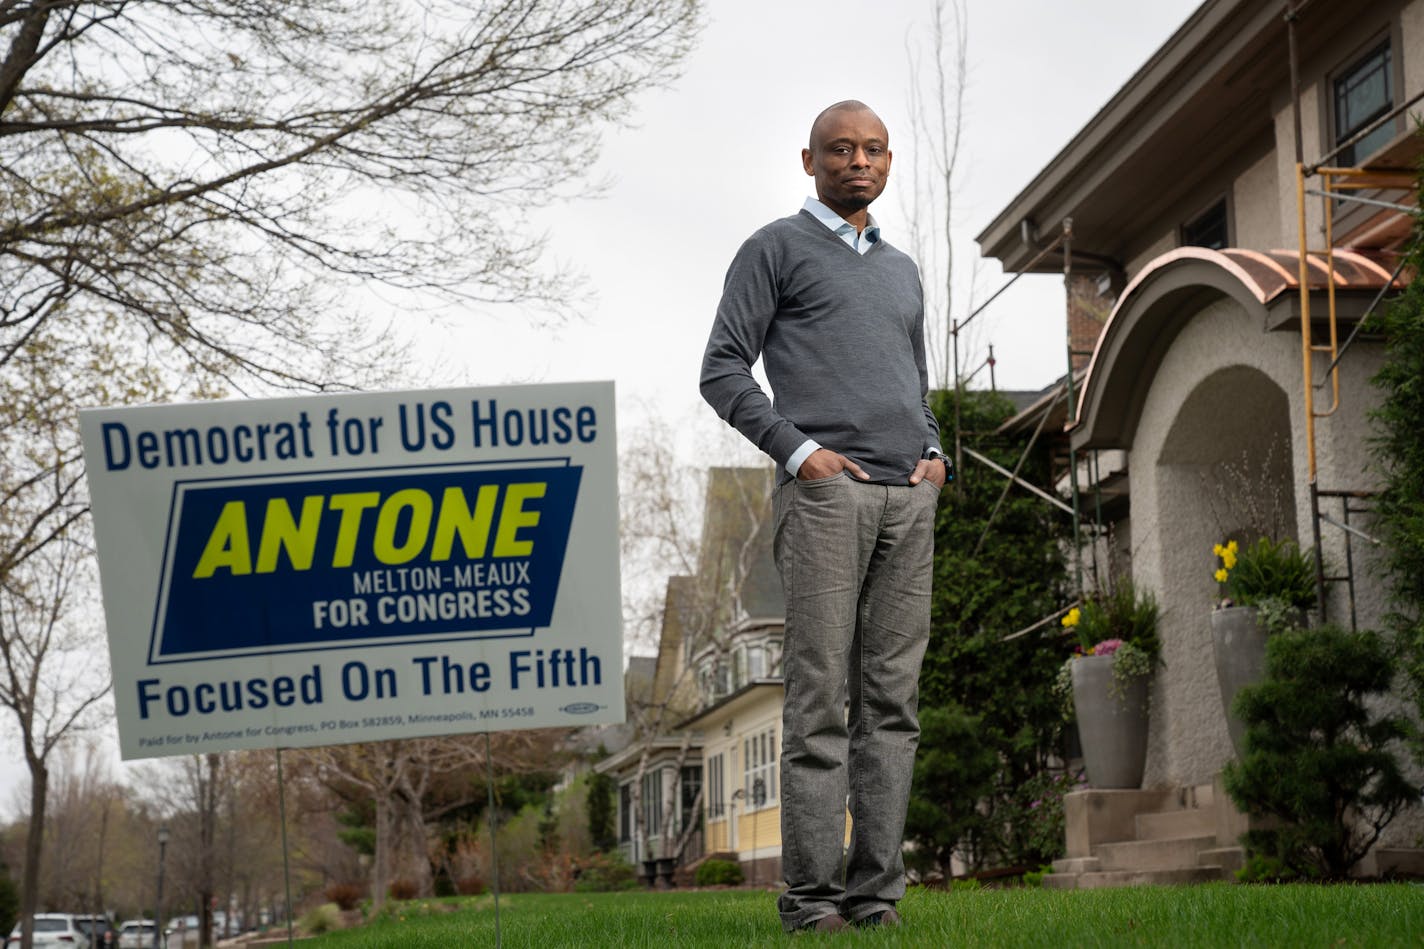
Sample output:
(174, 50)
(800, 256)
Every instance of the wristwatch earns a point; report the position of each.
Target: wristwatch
(932, 453)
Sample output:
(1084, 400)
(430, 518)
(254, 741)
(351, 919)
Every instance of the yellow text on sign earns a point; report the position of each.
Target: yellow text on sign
(489, 527)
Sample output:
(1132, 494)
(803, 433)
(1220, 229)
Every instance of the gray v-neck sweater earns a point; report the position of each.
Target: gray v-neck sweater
(842, 336)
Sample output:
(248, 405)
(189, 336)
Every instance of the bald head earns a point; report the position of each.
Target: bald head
(849, 156)
(830, 112)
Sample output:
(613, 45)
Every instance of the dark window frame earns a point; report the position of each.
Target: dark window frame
(1189, 232)
(1359, 61)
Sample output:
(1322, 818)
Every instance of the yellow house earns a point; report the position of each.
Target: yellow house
(741, 753)
(711, 721)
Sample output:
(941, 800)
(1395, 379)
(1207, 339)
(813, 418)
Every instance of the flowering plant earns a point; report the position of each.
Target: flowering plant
(1105, 622)
(1272, 575)
(1121, 624)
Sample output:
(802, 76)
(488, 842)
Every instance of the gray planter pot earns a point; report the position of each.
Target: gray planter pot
(1113, 730)
(1238, 643)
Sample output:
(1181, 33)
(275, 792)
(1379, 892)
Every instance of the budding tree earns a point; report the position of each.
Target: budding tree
(192, 192)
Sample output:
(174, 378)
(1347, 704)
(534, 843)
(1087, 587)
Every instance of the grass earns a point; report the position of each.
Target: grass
(1208, 916)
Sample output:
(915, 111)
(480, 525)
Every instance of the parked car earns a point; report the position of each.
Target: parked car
(55, 929)
(187, 923)
(136, 934)
(99, 930)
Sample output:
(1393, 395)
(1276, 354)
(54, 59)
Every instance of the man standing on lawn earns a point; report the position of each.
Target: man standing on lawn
(838, 316)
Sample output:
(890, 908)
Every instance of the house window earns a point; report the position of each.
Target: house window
(716, 788)
(1208, 229)
(1363, 93)
(653, 802)
(691, 784)
(759, 762)
(625, 813)
(756, 662)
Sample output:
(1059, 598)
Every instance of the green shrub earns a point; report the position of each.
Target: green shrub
(1316, 758)
(1398, 445)
(719, 873)
(953, 771)
(604, 872)
(321, 919)
(601, 804)
(1042, 819)
(1260, 868)
(992, 576)
(1034, 878)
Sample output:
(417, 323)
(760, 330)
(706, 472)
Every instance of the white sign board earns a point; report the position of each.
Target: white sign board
(358, 567)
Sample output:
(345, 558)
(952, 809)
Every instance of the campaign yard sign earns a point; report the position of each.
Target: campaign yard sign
(357, 567)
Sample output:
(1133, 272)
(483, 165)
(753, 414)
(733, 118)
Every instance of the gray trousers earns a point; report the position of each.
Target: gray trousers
(855, 562)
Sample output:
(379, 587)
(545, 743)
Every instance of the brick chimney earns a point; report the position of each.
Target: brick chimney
(1090, 300)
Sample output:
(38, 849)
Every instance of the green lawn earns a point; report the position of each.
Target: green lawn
(1214, 915)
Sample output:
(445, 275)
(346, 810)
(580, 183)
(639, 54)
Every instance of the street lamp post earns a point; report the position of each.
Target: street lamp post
(158, 903)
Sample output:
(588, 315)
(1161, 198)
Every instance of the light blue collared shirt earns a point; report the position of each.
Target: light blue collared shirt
(858, 241)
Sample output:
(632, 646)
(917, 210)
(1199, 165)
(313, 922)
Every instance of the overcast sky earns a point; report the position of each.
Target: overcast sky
(717, 154)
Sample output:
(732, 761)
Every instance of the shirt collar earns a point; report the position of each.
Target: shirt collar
(838, 224)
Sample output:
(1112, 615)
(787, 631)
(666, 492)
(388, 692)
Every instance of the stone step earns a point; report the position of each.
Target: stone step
(1077, 865)
(1230, 859)
(1191, 822)
(1169, 852)
(1061, 881)
(1160, 877)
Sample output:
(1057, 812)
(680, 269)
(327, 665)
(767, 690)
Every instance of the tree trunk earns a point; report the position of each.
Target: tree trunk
(34, 838)
(671, 807)
(208, 796)
(380, 865)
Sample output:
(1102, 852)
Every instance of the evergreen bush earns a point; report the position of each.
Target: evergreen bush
(602, 812)
(605, 872)
(987, 585)
(1317, 759)
(1398, 444)
(718, 873)
(954, 770)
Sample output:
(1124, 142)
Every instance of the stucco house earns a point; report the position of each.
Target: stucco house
(1219, 389)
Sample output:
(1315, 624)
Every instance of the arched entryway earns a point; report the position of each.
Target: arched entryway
(1223, 471)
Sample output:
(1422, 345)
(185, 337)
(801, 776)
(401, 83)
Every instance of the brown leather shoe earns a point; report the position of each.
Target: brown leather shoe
(826, 924)
(887, 918)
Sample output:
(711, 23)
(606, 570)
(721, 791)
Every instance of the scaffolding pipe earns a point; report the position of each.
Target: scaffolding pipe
(1015, 479)
(1014, 475)
(1072, 402)
(1043, 622)
(1044, 252)
(1337, 196)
